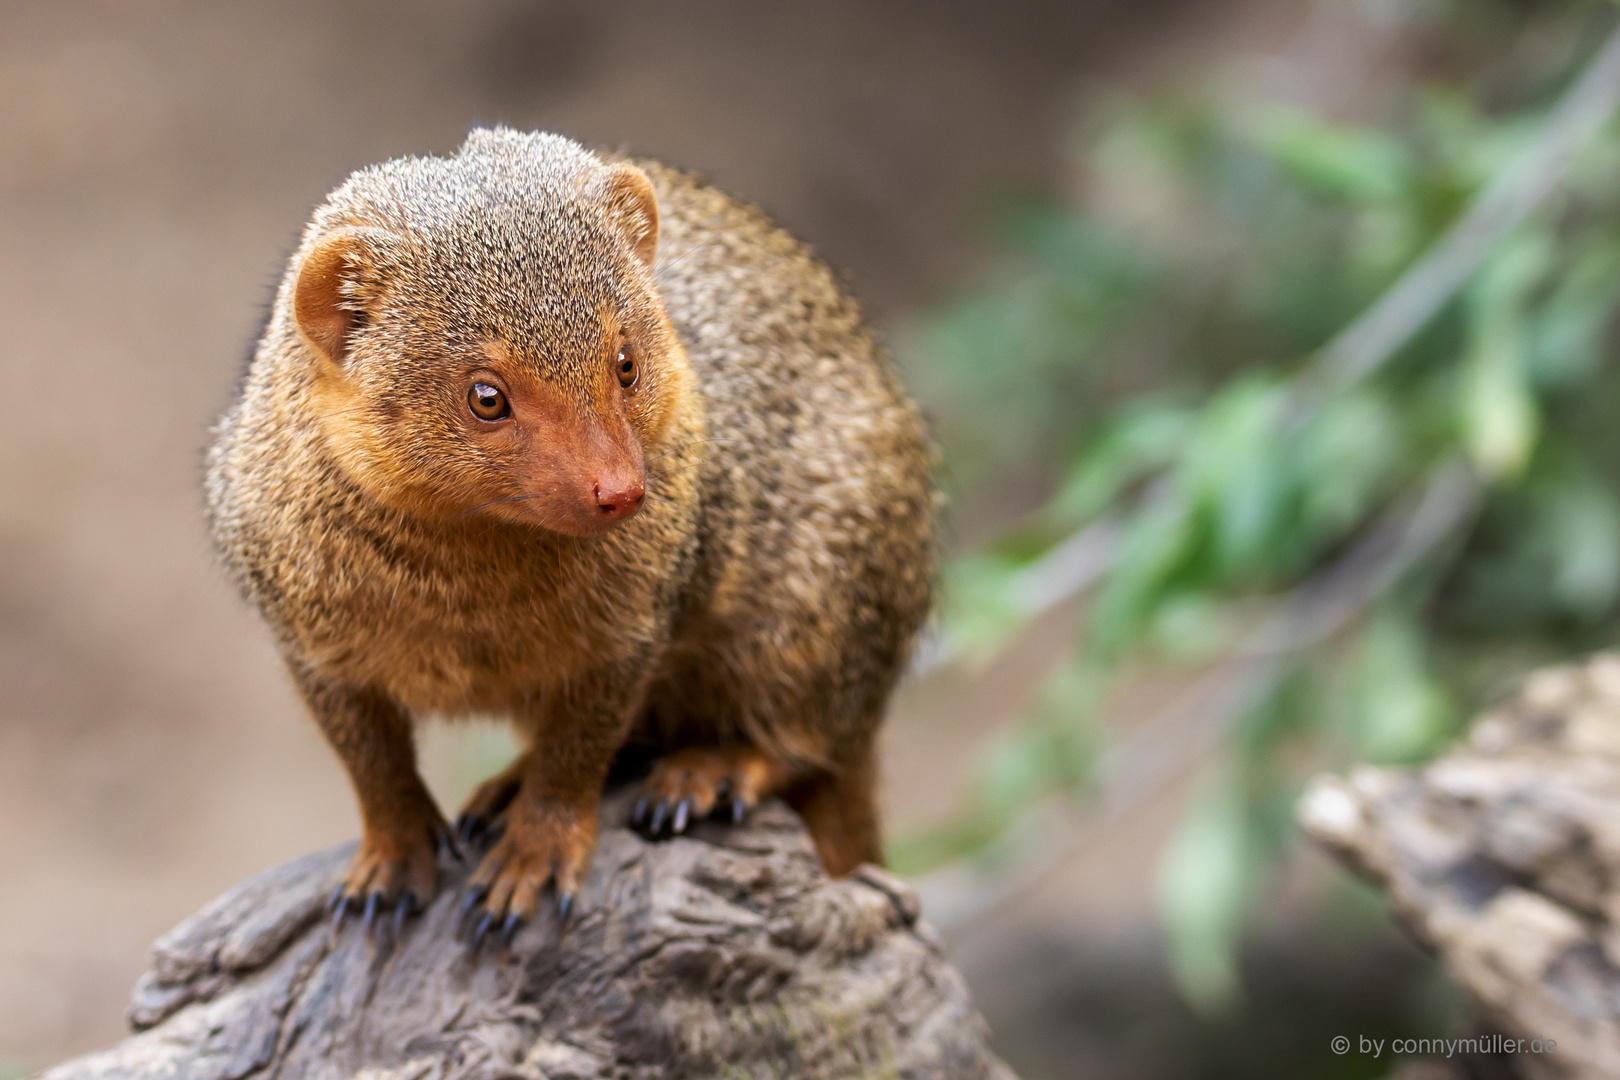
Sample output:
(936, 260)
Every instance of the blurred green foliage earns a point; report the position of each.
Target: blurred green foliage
(1152, 332)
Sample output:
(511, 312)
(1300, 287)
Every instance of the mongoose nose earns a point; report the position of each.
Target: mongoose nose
(621, 500)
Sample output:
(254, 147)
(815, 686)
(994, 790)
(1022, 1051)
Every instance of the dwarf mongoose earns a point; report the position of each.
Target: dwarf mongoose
(587, 443)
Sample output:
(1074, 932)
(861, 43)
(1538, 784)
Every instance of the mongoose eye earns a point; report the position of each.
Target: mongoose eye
(488, 403)
(627, 368)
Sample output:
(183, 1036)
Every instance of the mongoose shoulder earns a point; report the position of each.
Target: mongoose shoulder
(593, 445)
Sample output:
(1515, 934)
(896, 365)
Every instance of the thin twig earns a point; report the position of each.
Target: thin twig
(1065, 571)
(958, 895)
(1580, 115)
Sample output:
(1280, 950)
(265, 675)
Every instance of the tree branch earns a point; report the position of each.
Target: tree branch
(1504, 856)
(960, 894)
(728, 952)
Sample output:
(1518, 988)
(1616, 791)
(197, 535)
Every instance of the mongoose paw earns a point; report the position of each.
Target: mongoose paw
(391, 877)
(481, 817)
(543, 842)
(699, 781)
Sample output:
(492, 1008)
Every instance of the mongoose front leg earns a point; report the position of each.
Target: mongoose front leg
(550, 819)
(693, 783)
(397, 864)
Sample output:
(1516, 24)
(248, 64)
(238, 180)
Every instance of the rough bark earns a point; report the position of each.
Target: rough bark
(724, 953)
(1504, 855)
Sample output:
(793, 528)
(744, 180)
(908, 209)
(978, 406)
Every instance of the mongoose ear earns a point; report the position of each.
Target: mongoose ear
(628, 196)
(328, 300)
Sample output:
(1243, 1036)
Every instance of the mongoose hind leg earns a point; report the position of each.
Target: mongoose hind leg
(838, 807)
(693, 783)
(840, 810)
(484, 809)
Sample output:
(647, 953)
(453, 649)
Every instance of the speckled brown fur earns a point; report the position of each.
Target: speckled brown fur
(414, 561)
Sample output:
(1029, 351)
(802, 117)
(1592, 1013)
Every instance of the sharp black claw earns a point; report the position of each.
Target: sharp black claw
(565, 904)
(466, 828)
(638, 816)
(474, 894)
(738, 810)
(483, 928)
(338, 913)
(658, 816)
(509, 929)
(402, 909)
(337, 899)
(683, 810)
(370, 916)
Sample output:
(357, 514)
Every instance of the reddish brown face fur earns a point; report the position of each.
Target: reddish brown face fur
(573, 467)
(534, 393)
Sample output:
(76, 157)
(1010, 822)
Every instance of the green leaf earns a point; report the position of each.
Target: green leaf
(1154, 547)
(1567, 337)
(1499, 414)
(1472, 149)
(1384, 238)
(1064, 714)
(1500, 420)
(1145, 163)
(1398, 714)
(1191, 627)
(981, 612)
(1241, 471)
(1361, 165)
(1577, 525)
(1146, 437)
(1346, 458)
(1204, 882)
(1054, 752)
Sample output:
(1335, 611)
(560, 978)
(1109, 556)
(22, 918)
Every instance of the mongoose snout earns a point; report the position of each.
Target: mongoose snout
(595, 446)
(619, 497)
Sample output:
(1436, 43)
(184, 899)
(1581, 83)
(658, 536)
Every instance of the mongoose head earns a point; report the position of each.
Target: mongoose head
(485, 336)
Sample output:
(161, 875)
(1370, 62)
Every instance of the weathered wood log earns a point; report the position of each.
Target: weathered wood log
(723, 953)
(1504, 855)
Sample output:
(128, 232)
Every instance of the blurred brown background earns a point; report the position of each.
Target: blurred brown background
(157, 161)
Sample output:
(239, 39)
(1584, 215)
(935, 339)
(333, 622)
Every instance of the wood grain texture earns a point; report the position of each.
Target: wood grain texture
(1504, 856)
(723, 953)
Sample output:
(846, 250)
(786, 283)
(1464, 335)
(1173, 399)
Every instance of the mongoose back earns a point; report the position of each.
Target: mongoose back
(590, 444)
